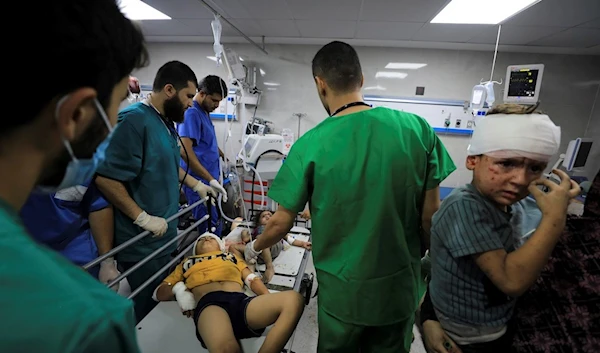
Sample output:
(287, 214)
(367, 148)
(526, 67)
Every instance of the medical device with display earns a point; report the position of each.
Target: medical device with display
(523, 83)
(577, 154)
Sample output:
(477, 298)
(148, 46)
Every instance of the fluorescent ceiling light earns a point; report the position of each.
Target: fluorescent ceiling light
(241, 59)
(390, 74)
(375, 88)
(262, 72)
(481, 11)
(213, 58)
(271, 84)
(138, 10)
(404, 66)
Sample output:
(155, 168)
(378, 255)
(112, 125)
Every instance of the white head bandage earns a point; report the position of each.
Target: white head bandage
(219, 240)
(531, 136)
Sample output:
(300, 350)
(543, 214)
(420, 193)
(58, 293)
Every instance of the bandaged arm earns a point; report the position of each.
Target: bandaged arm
(164, 292)
(254, 282)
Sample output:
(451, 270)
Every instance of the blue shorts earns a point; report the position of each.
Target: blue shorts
(235, 304)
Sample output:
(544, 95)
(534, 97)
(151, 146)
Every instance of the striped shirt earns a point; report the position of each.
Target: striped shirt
(467, 223)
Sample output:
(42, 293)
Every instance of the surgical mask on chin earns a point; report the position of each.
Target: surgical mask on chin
(80, 171)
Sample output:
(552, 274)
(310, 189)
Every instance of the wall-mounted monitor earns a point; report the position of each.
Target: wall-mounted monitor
(577, 153)
(523, 83)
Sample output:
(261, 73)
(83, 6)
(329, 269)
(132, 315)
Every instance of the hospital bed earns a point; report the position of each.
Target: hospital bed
(165, 324)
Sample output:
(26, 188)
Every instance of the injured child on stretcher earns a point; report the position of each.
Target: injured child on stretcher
(209, 287)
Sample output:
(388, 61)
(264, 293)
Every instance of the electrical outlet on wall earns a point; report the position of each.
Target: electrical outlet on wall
(470, 124)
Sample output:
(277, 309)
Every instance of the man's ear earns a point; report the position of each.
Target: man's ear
(169, 90)
(75, 111)
(321, 85)
(472, 162)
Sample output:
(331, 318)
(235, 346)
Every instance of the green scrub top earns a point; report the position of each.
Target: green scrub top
(364, 176)
(143, 154)
(47, 304)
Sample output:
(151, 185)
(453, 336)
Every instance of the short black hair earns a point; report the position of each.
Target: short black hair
(176, 73)
(84, 44)
(338, 65)
(212, 84)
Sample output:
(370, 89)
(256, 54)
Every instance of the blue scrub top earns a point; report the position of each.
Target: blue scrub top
(198, 127)
(60, 220)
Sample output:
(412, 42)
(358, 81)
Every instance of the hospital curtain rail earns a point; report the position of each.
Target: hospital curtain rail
(140, 236)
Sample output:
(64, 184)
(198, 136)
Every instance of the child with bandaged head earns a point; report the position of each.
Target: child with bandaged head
(209, 287)
(491, 238)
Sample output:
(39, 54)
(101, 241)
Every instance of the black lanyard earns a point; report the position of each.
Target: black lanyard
(350, 105)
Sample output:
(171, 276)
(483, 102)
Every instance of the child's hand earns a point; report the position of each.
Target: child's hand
(307, 245)
(305, 214)
(554, 203)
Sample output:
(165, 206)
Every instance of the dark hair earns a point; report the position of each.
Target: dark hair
(83, 44)
(212, 84)
(338, 65)
(176, 73)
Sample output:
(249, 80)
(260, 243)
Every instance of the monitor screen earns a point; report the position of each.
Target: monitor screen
(582, 154)
(522, 83)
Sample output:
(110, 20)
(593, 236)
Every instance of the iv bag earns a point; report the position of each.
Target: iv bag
(489, 86)
(217, 29)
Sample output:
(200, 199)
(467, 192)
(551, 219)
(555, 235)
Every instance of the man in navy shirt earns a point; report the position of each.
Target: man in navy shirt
(200, 141)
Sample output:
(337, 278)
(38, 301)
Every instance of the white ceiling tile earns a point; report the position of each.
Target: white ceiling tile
(343, 10)
(572, 37)
(591, 24)
(558, 13)
(387, 30)
(181, 8)
(326, 29)
(279, 28)
(167, 28)
(199, 26)
(514, 35)
(435, 32)
(251, 28)
(255, 9)
(401, 10)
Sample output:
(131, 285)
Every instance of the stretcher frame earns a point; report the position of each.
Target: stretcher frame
(165, 326)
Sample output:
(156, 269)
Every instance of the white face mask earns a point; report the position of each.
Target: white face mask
(80, 171)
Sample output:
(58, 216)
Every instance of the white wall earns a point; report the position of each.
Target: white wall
(569, 87)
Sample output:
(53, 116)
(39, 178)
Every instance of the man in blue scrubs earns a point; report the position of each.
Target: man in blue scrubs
(200, 142)
(140, 176)
(77, 222)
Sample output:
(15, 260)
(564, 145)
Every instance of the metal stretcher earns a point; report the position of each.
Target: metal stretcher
(165, 324)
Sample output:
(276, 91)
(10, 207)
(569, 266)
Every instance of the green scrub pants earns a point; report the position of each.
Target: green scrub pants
(143, 302)
(336, 336)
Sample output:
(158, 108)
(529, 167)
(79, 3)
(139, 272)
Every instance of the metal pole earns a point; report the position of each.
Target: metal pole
(143, 234)
(215, 12)
(495, 52)
(156, 252)
(159, 272)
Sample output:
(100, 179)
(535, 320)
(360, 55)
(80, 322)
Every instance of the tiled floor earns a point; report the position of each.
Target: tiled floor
(305, 339)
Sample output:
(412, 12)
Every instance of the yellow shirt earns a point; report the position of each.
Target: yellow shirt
(214, 266)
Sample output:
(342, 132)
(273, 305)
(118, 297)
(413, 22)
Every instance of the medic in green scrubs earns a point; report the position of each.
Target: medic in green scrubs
(48, 304)
(371, 178)
(141, 176)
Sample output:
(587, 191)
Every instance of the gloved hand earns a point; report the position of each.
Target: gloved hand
(156, 225)
(204, 190)
(108, 272)
(249, 253)
(218, 188)
(184, 297)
